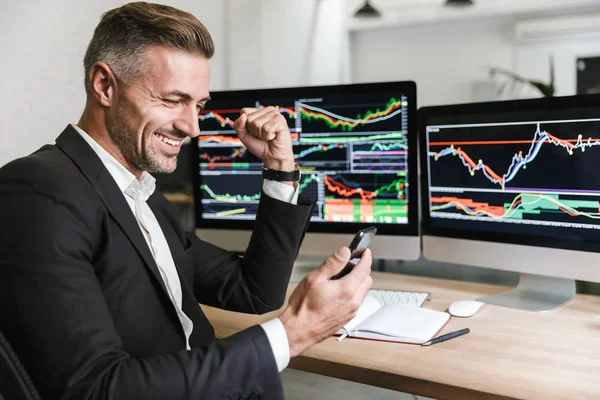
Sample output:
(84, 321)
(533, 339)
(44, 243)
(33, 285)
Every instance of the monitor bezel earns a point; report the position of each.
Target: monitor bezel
(407, 88)
(507, 106)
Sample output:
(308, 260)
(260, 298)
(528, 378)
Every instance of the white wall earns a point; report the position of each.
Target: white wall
(443, 59)
(447, 59)
(274, 43)
(532, 61)
(41, 74)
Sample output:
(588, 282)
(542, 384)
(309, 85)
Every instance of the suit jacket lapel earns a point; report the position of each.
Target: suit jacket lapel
(72, 144)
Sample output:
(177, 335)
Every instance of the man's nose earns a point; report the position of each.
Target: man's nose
(188, 122)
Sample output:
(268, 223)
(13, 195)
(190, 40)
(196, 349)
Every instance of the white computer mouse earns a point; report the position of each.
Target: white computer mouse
(464, 308)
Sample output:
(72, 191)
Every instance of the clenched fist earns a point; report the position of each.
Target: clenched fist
(264, 131)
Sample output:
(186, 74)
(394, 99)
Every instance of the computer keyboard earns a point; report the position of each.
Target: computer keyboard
(386, 297)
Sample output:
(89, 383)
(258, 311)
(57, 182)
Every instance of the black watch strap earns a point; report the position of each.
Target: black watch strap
(281, 176)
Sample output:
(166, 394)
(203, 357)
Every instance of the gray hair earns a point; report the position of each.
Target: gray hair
(124, 34)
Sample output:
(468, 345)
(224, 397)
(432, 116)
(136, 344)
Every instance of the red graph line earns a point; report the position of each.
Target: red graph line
(222, 120)
(497, 211)
(474, 165)
(566, 143)
(238, 153)
(570, 214)
(219, 139)
(289, 110)
(486, 142)
(216, 114)
(229, 139)
(477, 207)
(223, 111)
(335, 122)
(343, 190)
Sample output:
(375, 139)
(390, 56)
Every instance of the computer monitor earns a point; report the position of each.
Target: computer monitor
(356, 147)
(512, 185)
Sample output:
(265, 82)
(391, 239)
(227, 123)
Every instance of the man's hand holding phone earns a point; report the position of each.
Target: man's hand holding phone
(358, 245)
(320, 305)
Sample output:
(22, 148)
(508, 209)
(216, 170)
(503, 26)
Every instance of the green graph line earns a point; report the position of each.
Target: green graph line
(395, 186)
(348, 139)
(228, 197)
(387, 147)
(350, 125)
(318, 148)
(234, 165)
(307, 181)
(542, 204)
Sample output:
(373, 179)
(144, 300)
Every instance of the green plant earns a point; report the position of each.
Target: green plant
(546, 89)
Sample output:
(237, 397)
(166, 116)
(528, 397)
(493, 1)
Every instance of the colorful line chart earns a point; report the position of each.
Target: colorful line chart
(523, 203)
(352, 152)
(217, 121)
(225, 139)
(534, 172)
(519, 160)
(371, 119)
(391, 156)
(354, 186)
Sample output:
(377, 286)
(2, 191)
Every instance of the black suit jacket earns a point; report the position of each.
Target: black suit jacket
(84, 306)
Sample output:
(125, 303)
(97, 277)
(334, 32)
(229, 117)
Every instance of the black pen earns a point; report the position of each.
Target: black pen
(447, 336)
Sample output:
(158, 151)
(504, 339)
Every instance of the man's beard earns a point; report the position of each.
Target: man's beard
(149, 160)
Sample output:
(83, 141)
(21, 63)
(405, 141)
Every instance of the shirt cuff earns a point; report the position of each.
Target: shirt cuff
(281, 191)
(279, 342)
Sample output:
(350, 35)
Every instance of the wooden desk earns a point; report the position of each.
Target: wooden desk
(508, 353)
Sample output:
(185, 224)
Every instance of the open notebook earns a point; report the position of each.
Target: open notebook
(394, 322)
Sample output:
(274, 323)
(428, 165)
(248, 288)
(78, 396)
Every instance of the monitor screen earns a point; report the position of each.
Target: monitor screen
(354, 145)
(520, 172)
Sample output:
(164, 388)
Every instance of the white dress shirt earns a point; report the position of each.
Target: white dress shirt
(136, 193)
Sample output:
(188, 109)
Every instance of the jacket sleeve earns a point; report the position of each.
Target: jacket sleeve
(256, 282)
(54, 313)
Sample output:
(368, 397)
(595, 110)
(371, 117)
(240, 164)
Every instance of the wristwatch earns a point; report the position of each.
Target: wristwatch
(282, 176)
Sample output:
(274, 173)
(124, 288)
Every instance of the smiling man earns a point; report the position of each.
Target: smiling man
(99, 285)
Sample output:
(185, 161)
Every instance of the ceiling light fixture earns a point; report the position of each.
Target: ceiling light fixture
(458, 3)
(367, 11)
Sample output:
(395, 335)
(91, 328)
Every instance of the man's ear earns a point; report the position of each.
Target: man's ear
(102, 84)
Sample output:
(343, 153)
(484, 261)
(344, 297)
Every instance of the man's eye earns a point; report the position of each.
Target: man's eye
(201, 107)
(169, 101)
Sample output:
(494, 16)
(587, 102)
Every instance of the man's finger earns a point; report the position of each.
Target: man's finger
(255, 113)
(270, 129)
(259, 127)
(335, 262)
(274, 126)
(362, 268)
(240, 126)
(363, 288)
(249, 110)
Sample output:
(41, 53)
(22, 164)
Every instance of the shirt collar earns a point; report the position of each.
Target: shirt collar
(120, 174)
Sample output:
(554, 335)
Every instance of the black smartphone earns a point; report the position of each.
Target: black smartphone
(359, 244)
